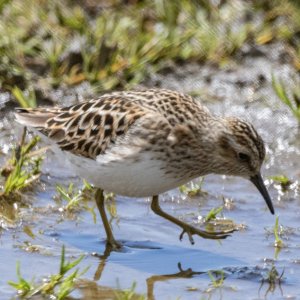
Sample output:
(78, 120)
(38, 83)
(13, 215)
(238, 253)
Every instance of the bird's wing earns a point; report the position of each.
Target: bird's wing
(88, 128)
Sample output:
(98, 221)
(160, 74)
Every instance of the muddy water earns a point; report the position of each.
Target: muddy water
(152, 256)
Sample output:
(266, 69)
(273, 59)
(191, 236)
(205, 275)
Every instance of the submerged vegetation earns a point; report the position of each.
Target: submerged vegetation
(129, 294)
(217, 282)
(273, 278)
(57, 286)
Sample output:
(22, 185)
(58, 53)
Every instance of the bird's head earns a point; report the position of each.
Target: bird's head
(241, 152)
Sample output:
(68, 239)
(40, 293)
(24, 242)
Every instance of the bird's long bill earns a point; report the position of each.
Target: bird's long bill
(259, 183)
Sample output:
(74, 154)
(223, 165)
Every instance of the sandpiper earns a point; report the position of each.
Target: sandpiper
(144, 143)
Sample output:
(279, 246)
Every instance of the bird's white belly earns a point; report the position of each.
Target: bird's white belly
(128, 177)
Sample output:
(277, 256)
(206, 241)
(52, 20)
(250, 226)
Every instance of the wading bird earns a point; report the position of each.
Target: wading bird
(144, 143)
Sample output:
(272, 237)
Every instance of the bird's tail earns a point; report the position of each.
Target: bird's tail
(34, 117)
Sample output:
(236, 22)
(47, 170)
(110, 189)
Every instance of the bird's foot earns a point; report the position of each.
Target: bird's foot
(113, 245)
(190, 231)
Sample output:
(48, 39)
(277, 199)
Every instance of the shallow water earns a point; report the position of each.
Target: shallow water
(152, 256)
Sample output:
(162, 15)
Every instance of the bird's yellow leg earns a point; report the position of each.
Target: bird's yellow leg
(186, 228)
(99, 197)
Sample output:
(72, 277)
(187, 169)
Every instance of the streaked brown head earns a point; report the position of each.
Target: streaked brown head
(241, 153)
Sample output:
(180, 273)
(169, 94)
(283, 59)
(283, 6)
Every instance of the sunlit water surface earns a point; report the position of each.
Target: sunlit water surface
(153, 257)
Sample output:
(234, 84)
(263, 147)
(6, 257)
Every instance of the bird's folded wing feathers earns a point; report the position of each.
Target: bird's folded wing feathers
(85, 129)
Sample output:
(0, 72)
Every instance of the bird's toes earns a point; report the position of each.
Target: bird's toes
(190, 235)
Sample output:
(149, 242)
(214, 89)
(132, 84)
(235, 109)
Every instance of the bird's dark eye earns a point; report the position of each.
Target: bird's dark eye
(244, 157)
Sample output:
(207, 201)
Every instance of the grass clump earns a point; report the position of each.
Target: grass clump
(23, 286)
(213, 222)
(283, 181)
(193, 189)
(116, 45)
(24, 98)
(22, 170)
(212, 214)
(73, 199)
(290, 97)
(72, 196)
(278, 243)
(57, 286)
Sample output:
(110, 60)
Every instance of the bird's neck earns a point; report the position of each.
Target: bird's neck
(210, 139)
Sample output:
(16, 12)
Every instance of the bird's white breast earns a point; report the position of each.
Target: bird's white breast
(140, 176)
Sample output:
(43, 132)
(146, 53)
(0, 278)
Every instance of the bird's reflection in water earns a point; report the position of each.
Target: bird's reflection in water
(269, 280)
(102, 263)
(188, 273)
(150, 281)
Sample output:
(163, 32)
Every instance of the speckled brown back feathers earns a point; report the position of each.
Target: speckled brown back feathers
(88, 128)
